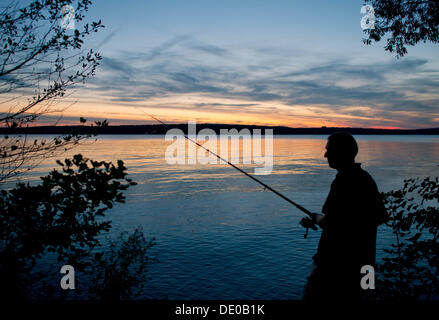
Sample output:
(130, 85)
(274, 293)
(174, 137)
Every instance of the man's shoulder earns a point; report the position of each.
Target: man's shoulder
(367, 177)
(356, 177)
(364, 174)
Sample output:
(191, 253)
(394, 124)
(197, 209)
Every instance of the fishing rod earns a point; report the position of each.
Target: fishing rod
(298, 206)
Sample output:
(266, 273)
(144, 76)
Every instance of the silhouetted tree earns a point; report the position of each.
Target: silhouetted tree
(406, 21)
(40, 58)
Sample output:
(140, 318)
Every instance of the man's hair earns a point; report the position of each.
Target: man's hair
(344, 144)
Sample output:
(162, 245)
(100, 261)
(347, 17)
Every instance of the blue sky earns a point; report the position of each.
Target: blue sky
(295, 63)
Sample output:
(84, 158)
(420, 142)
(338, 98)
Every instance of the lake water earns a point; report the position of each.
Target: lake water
(219, 234)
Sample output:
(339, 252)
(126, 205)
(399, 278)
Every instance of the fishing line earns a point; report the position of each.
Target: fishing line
(298, 206)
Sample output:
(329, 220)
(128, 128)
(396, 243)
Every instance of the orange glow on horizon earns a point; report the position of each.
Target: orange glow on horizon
(214, 110)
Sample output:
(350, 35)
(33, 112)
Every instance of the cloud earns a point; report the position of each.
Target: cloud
(211, 49)
(398, 91)
(111, 64)
(106, 40)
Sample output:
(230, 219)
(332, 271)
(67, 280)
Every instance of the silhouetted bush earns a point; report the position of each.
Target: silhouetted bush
(410, 271)
(63, 217)
(121, 272)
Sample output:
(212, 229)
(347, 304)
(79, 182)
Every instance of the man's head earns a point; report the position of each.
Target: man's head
(341, 150)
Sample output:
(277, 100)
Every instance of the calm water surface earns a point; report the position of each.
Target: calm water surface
(219, 234)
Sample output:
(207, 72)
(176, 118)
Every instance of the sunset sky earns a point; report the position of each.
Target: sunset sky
(292, 63)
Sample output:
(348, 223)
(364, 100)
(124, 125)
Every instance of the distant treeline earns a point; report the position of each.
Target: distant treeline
(161, 129)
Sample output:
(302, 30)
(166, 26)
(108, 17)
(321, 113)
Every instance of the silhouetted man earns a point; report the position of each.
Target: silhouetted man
(352, 212)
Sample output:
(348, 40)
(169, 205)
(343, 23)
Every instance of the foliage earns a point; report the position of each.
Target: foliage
(121, 273)
(411, 268)
(39, 60)
(19, 154)
(407, 21)
(63, 216)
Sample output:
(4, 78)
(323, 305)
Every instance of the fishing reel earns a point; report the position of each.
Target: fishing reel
(308, 223)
